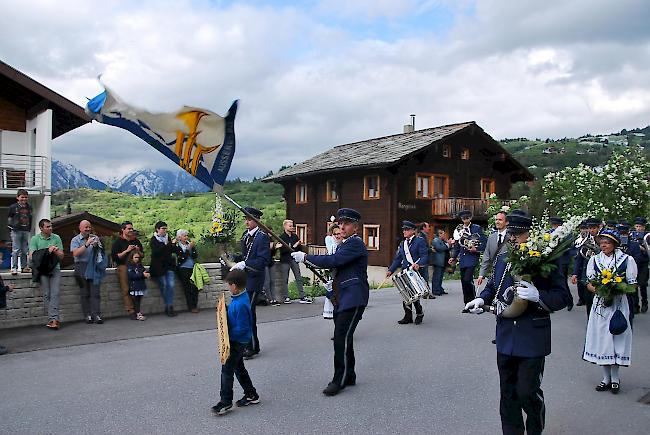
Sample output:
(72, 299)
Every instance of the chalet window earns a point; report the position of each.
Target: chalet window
(446, 151)
(331, 191)
(487, 187)
(464, 154)
(440, 186)
(301, 193)
(301, 232)
(371, 237)
(423, 186)
(371, 187)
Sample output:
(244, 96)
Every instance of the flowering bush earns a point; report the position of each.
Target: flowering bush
(496, 205)
(608, 285)
(618, 190)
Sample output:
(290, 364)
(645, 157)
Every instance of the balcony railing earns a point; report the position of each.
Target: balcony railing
(23, 171)
(450, 207)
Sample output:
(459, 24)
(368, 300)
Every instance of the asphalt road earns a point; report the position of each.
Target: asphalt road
(162, 376)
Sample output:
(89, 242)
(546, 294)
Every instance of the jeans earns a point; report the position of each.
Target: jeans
(19, 248)
(50, 285)
(436, 280)
(345, 323)
(284, 270)
(191, 292)
(234, 366)
(166, 284)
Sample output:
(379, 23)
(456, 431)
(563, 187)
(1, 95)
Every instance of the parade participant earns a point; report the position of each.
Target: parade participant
(601, 346)
(564, 260)
(349, 296)
(610, 224)
(639, 235)
(439, 254)
(413, 253)
(470, 243)
(496, 243)
(120, 250)
(524, 341)
(588, 248)
(240, 326)
(256, 254)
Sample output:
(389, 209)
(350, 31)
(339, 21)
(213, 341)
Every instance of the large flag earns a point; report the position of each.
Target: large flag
(197, 140)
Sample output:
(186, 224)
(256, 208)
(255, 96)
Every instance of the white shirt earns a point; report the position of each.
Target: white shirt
(252, 232)
(607, 262)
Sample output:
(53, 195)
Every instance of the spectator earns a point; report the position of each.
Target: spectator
(51, 250)
(3, 304)
(185, 256)
(162, 265)
(287, 262)
(5, 255)
(269, 276)
(120, 251)
(137, 275)
(330, 239)
(19, 220)
(85, 248)
(440, 253)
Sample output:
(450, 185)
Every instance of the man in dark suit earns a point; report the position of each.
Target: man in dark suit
(638, 235)
(467, 258)
(524, 341)
(349, 294)
(413, 253)
(256, 254)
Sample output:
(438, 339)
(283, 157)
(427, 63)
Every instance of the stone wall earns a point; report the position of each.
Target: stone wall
(25, 303)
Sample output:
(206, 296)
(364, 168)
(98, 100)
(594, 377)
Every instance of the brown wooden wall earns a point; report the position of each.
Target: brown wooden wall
(12, 117)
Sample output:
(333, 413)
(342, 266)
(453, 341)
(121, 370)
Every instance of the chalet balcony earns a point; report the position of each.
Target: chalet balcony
(18, 171)
(450, 207)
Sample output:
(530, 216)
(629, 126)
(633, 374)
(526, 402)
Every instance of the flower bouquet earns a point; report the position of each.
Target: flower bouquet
(223, 226)
(608, 284)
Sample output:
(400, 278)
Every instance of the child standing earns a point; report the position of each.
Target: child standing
(137, 285)
(20, 224)
(240, 331)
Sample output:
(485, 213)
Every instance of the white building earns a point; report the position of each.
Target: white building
(31, 115)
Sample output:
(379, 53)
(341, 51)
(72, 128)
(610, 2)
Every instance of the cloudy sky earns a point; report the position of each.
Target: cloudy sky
(311, 74)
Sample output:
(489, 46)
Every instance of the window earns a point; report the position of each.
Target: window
(423, 186)
(487, 187)
(446, 151)
(371, 237)
(301, 193)
(429, 186)
(440, 186)
(464, 154)
(301, 232)
(371, 187)
(331, 191)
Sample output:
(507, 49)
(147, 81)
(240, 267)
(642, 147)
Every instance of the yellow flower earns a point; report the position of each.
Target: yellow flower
(618, 279)
(522, 246)
(605, 281)
(534, 253)
(547, 237)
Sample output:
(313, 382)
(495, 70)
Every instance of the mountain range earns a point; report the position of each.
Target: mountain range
(146, 182)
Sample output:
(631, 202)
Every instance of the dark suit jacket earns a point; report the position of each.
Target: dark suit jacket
(256, 253)
(419, 252)
(467, 258)
(161, 257)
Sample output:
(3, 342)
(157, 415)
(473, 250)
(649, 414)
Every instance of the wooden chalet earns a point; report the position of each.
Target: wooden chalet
(424, 175)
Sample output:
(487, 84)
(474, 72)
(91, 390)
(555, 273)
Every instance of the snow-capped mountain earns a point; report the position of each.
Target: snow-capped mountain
(144, 182)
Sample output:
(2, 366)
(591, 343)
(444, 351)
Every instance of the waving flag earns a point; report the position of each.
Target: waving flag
(197, 140)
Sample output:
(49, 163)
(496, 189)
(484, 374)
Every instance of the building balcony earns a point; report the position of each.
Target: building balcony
(18, 171)
(450, 207)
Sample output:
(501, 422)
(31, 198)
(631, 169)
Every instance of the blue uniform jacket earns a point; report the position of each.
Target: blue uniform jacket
(471, 259)
(580, 267)
(351, 278)
(637, 236)
(528, 335)
(634, 250)
(419, 252)
(257, 255)
(240, 318)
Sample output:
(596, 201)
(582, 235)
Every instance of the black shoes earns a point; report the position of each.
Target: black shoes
(89, 319)
(98, 319)
(569, 308)
(3, 350)
(221, 408)
(170, 311)
(604, 386)
(249, 399)
(250, 353)
(418, 318)
(405, 320)
(615, 387)
(494, 341)
(332, 389)
(350, 380)
(644, 308)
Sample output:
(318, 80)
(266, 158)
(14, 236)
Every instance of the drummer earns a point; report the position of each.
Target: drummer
(413, 253)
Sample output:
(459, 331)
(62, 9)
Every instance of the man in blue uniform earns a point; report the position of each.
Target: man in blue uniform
(412, 252)
(256, 254)
(580, 261)
(467, 258)
(349, 294)
(642, 278)
(523, 341)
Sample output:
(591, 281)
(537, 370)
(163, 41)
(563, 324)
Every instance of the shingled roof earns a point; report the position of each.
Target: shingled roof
(372, 153)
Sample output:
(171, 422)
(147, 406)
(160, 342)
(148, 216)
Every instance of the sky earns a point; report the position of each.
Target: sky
(313, 74)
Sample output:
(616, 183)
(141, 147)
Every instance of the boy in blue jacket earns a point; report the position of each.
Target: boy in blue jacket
(240, 331)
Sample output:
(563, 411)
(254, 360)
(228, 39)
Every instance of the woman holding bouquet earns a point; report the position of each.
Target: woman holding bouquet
(611, 275)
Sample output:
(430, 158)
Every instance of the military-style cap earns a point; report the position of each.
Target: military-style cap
(408, 225)
(253, 212)
(623, 227)
(640, 220)
(554, 220)
(611, 223)
(465, 214)
(518, 212)
(610, 234)
(592, 222)
(518, 223)
(348, 214)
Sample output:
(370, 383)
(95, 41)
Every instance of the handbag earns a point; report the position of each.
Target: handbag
(618, 323)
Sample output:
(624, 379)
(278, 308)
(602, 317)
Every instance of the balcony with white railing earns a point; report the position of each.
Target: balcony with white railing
(19, 171)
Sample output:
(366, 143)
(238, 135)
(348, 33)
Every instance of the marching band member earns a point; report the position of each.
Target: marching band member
(638, 235)
(256, 254)
(349, 296)
(467, 258)
(412, 252)
(524, 341)
(601, 346)
(564, 260)
(579, 276)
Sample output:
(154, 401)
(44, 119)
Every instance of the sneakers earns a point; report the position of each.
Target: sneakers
(89, 319)
(306, 300)
(252, 399)
(287, 300)
(275, 303)
(98, 319)
(140, 316)
(221, 408)
(53, 324)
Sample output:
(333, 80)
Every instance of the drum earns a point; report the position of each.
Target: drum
(411, 285)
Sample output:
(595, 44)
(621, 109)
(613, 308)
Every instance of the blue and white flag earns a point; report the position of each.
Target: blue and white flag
(197, 140)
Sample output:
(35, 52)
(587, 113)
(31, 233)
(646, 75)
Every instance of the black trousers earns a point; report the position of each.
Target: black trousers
(345, 323)
(564, 270)
(191, 292)
(408, 311)
(642, 286)
(234, 366)
(255, 343)
(585, 296)
(520, 381)
(467, 282)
